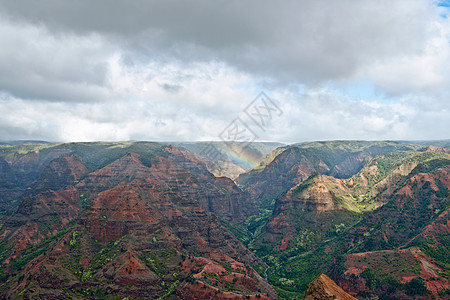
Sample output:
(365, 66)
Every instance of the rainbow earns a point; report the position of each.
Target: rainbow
(246, 158)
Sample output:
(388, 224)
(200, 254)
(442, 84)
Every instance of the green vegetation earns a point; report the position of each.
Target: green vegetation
(305, 184)
(107, 254)
(34, 251)
(440, 251)
(298, 270)
(385, 164)
(240, 232)
(443, 191)
(416, 287)
(256, 223)
(156, 265)
(158, 260)
(309, 253)
(334, 152)
(4, 253)
(431, 162)
(22, 149)
(98, 155)
(73, 241)
(84, 200)
(170, 290)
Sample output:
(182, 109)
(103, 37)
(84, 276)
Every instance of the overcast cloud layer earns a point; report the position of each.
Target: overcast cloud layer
(177, 70)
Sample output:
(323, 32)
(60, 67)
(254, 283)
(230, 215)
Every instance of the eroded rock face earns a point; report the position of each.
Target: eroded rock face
(287, 169)
(189, 179)
(135, 208)
(315, 207)
(49, 203)
(315, 197)
(19, 171)
(145, 208)
(126, 168)
(128, 269)
(214, 275)
(438, 150)
(418, 198)
(323, 288)
(60, 173)
(350, 165)
(133, 230)
(146, 232)
(5, 170)
(415, 200)
(28, 167)
(190, 162)
(8, 189)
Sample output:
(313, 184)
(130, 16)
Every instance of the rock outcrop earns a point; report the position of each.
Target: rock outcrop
(323, 288)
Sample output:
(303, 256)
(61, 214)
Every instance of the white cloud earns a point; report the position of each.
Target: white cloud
(427, 71)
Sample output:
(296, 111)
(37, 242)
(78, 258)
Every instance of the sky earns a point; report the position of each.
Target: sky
(194, 70)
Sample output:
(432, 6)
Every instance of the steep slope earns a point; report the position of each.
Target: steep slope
(47, 207)
(217, 195)
(144, 220)
(416, 199)
(402, 249)
(58, 196)
(141, 234)
(28, 160)
(27, 166)
(323, 288)
(305, 218)
(20, 166)
(398, 273)
(381, 176)
(307, 214)
(8, 189)
(325, 224)
(60, 173)
(319, 193)
(52, 194)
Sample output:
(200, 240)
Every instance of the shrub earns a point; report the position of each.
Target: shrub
(416, 287)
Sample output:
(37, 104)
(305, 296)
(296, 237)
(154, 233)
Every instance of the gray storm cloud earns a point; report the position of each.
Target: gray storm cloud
(305, 41)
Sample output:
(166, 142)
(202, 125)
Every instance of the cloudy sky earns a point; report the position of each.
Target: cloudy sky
(184, 70)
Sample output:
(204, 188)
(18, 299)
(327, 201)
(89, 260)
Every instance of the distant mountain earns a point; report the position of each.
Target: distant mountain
(436, 143)
(23, 142)
(295, 163)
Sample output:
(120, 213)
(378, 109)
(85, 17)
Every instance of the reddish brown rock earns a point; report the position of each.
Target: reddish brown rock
(128, 269)
(323, 288)
(60, 173)
(438, 149)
